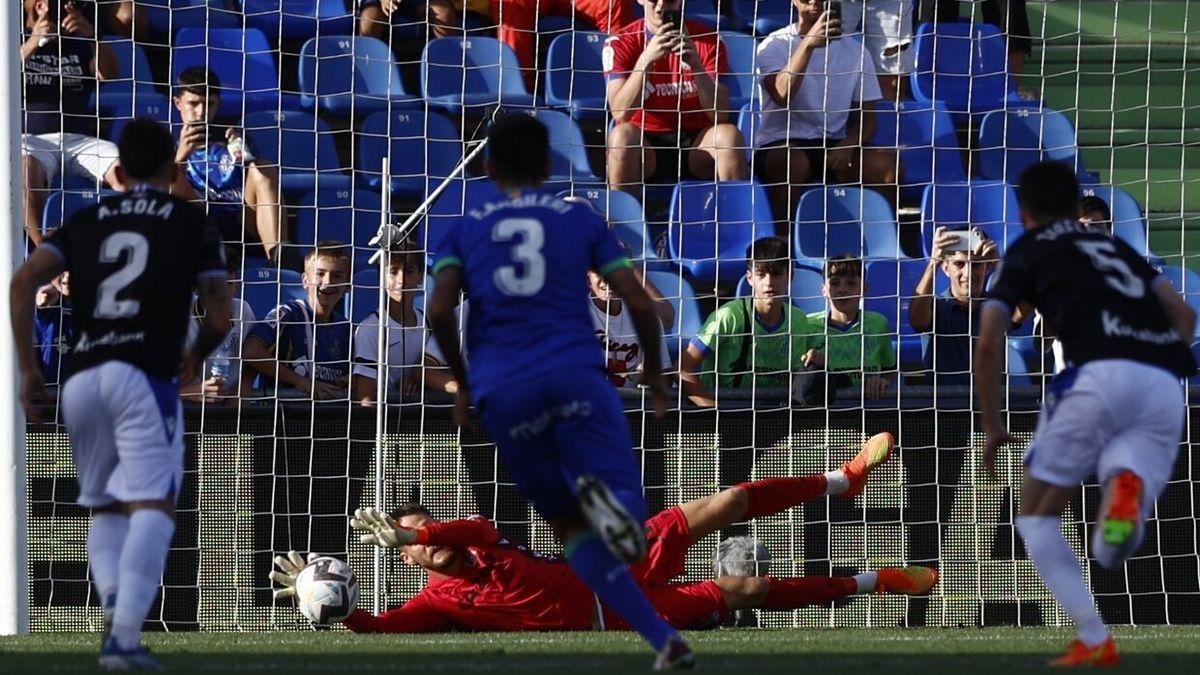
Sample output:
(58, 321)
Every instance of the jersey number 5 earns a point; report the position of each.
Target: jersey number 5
(1116, 272)
(527, 252)
(137, 250)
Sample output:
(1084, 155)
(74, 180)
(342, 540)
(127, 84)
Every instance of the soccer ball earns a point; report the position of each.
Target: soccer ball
(326, 591)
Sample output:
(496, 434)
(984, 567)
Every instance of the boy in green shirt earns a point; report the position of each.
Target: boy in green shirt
(858, 343)
(752, 342)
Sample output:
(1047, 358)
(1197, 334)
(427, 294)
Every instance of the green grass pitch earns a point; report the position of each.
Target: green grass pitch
(961, 651)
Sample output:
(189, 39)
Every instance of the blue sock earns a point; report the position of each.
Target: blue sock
(610, 579)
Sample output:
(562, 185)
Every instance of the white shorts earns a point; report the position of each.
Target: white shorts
(1106, 416)
(885, 25)
(126, 431)
(75, 155)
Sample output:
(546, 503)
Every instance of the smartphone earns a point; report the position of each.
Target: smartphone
(834, 7)
(674, 17)
(966, 240)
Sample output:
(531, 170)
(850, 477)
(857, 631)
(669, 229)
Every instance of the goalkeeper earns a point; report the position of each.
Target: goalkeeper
(479, 581)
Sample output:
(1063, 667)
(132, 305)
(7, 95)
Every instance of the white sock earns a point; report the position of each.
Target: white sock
(106, 537)
(142, 561)
(1061, 573)
(836, 482)
(866, 582)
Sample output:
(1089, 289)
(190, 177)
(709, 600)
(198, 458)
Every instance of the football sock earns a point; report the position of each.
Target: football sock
(794, 592)
(1060, 571)
(773, 495)
(142, 559)
(837, 482)
(866, 582)
(610, 579)
(106, 537)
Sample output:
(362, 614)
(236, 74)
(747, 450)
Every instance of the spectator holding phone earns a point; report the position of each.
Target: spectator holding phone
(965, 257)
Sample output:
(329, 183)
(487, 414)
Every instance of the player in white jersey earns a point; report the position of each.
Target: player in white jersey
(1115, 412)
(134, 260)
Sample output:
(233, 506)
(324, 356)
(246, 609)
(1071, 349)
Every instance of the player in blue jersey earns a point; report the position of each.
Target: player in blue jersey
(538, 374)
(305, 344)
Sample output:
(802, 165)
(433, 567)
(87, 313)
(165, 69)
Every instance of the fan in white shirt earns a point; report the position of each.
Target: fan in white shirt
(615, 330)
(223, 379)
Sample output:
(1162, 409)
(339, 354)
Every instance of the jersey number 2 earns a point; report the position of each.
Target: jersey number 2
(137, 249)
(1116, 272)
(527, 252)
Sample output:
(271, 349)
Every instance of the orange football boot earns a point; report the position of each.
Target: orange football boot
(1103, 655)
(1124, 508)
(875, 451)
(912, 580)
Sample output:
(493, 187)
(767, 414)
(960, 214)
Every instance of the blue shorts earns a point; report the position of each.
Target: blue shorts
(551, 431)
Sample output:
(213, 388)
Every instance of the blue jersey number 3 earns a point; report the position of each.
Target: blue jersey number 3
(527, 252)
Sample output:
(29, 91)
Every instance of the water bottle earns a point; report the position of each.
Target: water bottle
(237, 149)
(220, 367)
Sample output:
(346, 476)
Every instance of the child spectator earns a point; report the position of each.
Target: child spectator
(857, 343)
(615, 330)
(223, 379)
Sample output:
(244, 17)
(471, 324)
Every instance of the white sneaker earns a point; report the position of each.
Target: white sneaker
(675, 655)
(621, 533)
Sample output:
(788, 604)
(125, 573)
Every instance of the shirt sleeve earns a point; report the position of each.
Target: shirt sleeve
(366, 354)
(1012, 280)
(722, 324)
(415, 616)
(772, 56)
(616, 57)
(473, 531)
(717, 60)
(266, 331)
(867, 87)
(448, 251)
(885, 353)
(607, 254)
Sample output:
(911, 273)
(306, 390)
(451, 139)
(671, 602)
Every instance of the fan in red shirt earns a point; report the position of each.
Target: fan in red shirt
(666, 98)
(478, 581)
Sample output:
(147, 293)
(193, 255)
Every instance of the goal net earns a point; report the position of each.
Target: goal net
(349, 118)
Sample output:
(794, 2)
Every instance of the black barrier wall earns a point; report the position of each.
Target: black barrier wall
(261, 481)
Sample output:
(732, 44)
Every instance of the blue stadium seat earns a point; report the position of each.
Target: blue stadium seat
(806, 293)
(838, 220)
(62, 204)
(132, 93)
(575, 75)
(704, 11)
(460, 195)
(713, 224)
(472, 72)
(747, 123)
(1187, 283)
(171, 16)
(890, 286)
(624, 214)
(348, 216)
(425, 149)
(298, 19)
(302, 145)
(1129, 223)
(761, 17)
(351, 76)
(991, 205)
(1011, 140)
(1195, 379)
(742, 81)
(923, 133)
(568, 156)
(1017, 370)
(964, 65)
(682, 297)
(265, 288)
(243, 61)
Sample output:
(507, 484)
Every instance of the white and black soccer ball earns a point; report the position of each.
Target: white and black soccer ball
(326, 591)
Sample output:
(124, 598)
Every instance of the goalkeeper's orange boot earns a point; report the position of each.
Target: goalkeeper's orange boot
(875, 451)
(1079, 655)
(912, 580)
(1124, 508)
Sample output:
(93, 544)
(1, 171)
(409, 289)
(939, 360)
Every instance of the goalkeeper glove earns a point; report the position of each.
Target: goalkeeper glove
(289, 568)
(379, 530)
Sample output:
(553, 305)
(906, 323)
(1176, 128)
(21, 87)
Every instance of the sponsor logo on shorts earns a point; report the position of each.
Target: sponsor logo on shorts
(566, 411)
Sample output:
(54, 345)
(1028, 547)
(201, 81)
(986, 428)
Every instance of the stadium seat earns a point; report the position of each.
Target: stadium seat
(62, 204)
(806, 291)
(1195, 379)
(459, 73)
(132, 93)
(1017, 370)
(302, 145)
(171, 16)
(460, 195)
(1129, 223)
(351, 76)
(991, 205)
(747, 123)
(575, 75)
(298, 19)
(704, 11)
(243, 61)
(964, 65)
(624, 214)
(425, 148)
(924, 136)
(837, 220)
(890, 286)
(1187, 283)
(266, 288)
(761, 17)
(568, 156)
(682, 297)
(348, 216)
(1012, 140)
(711, 226)
(741, 55)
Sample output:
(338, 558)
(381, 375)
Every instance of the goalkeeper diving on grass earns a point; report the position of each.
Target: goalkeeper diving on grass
(478, 581)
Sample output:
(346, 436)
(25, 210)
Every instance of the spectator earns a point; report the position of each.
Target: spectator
(305, 344)
(54, 331)
(218, 165)
(758, 341)
(667, 103)
(615, 330)
(952, 317)
(413, 358)
(1095, 213)
(122, 17)
(62, 62)
(1009, 16)
(857, 343)
(223, 379)
(887, 33)
(818, 100)
(375, 17)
